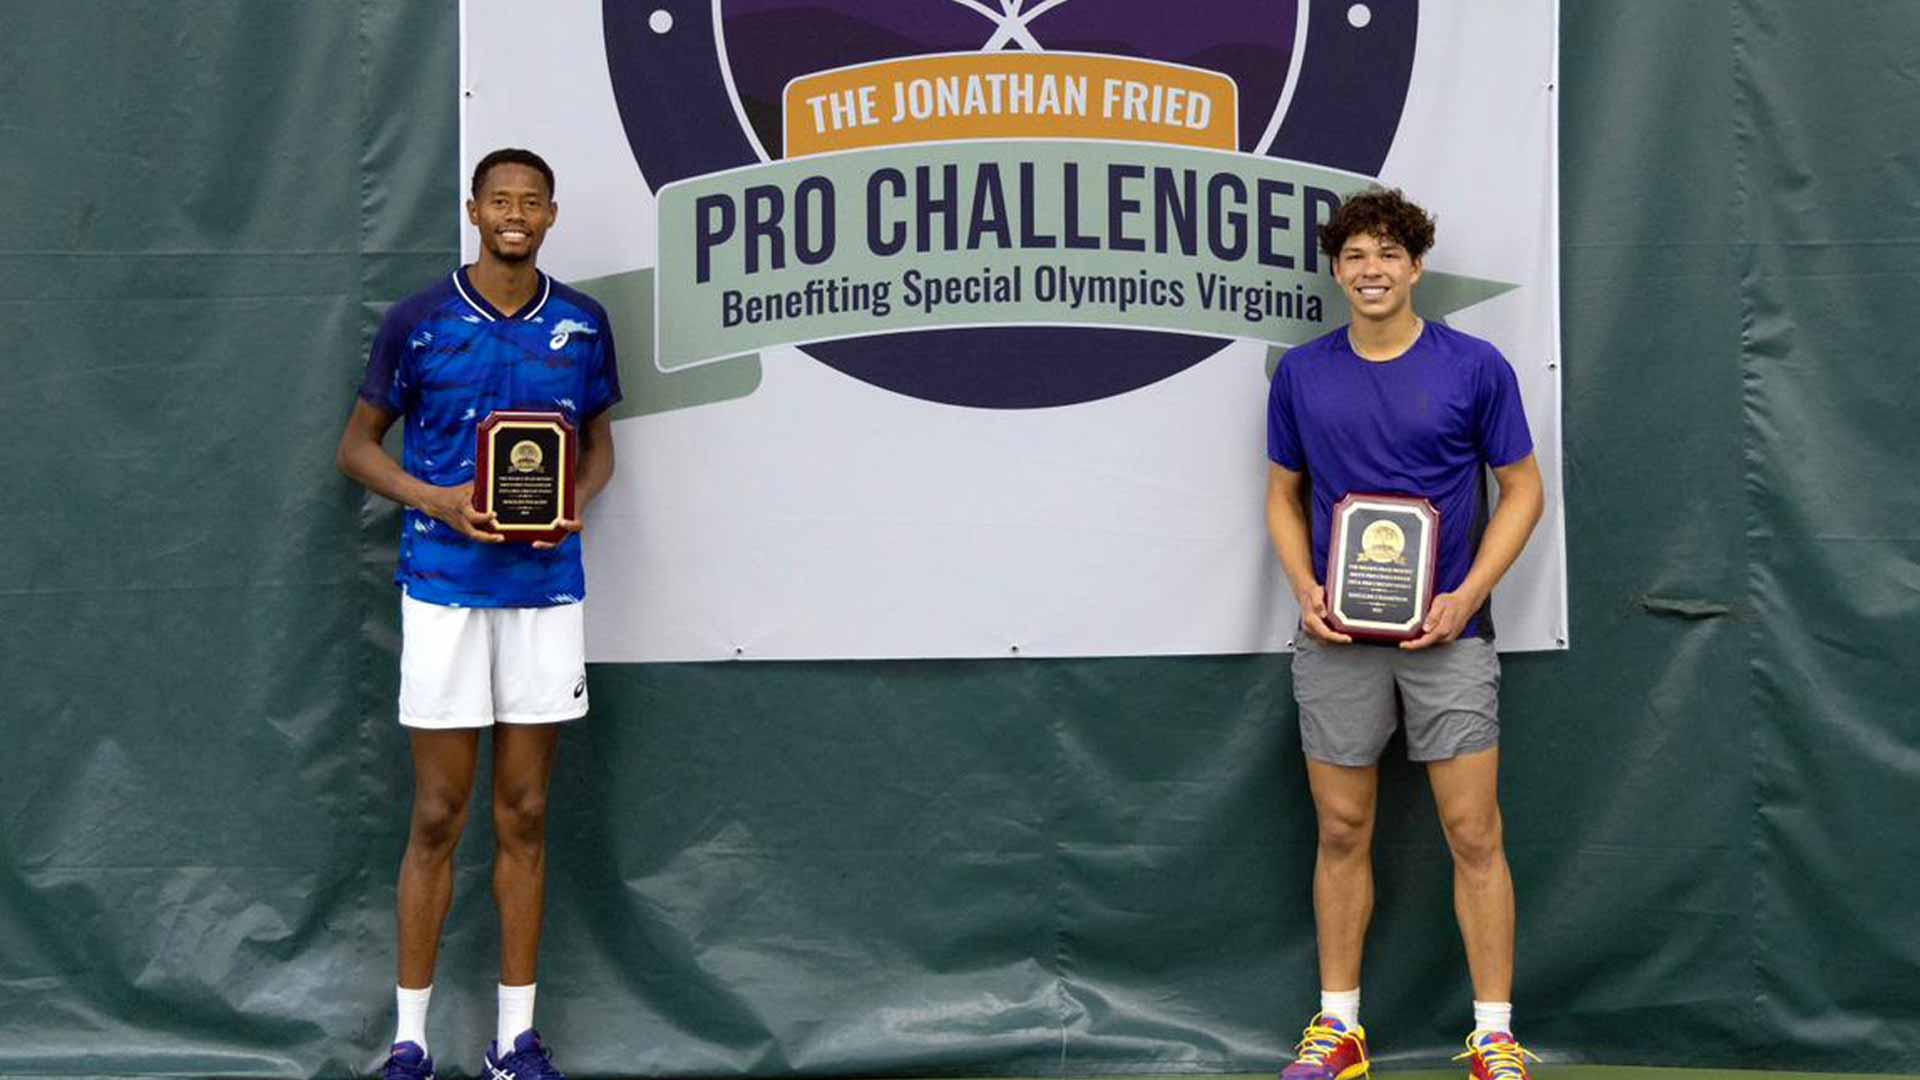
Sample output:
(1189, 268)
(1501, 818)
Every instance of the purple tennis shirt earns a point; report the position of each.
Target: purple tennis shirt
(1424, 423)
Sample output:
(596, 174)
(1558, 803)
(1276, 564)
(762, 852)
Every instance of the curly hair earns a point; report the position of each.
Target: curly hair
(1384, 212)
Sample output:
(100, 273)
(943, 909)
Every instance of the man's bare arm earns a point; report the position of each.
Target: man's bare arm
(361, 457)
(596, 457)
(1292, 535)
(1522, 497)
(591, 472)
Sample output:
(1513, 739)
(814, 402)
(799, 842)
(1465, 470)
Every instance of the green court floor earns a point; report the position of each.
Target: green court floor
(1541, 1071)
(1551, 1071)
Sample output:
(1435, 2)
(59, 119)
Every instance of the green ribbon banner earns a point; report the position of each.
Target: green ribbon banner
(1003, 233)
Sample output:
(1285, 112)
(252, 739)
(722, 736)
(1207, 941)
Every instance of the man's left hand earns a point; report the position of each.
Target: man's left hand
(571, 525)
(1446, 617)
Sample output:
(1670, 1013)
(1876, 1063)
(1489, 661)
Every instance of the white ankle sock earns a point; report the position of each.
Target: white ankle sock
(412, 1007)
(1493, 1016)
(1343, 1004)
(516, 1015)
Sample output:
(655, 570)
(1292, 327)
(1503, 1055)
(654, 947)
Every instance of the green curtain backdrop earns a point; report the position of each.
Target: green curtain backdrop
(1008, 867)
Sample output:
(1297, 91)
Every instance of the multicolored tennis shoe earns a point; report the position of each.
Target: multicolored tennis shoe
(1495, 1055)
(1328, 1050)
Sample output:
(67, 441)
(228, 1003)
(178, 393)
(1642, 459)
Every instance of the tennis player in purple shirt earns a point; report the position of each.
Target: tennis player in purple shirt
(1392, 404)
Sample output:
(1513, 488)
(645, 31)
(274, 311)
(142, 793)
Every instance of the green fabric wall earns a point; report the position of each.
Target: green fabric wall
(1017, 867)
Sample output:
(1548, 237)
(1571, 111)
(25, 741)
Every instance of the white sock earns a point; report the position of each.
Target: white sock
(516, 1015)
(412, 1007)
(1493, 1016)
(1343, 1005)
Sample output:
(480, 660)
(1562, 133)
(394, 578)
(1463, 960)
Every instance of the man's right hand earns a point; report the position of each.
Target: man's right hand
(1313, 616)
(453, 507)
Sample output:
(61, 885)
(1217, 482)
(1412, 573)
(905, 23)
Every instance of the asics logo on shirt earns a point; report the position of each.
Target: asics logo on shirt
(565, 329)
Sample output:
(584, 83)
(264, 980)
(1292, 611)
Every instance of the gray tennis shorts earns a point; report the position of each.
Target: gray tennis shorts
(1353, 696)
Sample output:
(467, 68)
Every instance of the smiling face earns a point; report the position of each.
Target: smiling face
(513, 211)
(1378, 276)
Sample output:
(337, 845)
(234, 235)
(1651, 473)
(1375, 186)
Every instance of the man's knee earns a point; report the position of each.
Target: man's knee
(1474, 837)
(520, 816)
(1345, 831)
(439, 815)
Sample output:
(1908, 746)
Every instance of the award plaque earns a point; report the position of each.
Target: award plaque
(1380, 565)
(523, 474)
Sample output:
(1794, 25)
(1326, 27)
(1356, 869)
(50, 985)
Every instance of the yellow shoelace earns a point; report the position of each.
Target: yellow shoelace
(1505, 1060)
(1316, 1043)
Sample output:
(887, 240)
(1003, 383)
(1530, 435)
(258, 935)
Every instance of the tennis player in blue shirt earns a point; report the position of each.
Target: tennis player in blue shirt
(491, 631)
(1391, 404)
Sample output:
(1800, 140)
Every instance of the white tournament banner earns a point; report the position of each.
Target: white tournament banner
(945, 325)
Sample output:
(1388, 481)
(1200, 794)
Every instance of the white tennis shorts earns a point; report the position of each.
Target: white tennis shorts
(475, 667)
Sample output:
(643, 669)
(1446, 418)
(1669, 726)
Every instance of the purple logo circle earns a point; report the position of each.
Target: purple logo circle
(704, 95)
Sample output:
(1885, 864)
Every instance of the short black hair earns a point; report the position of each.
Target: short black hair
(1379, 212)
(511, 155)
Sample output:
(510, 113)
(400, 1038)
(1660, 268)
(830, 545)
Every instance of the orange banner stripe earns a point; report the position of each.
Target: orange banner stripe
(1010, 95)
